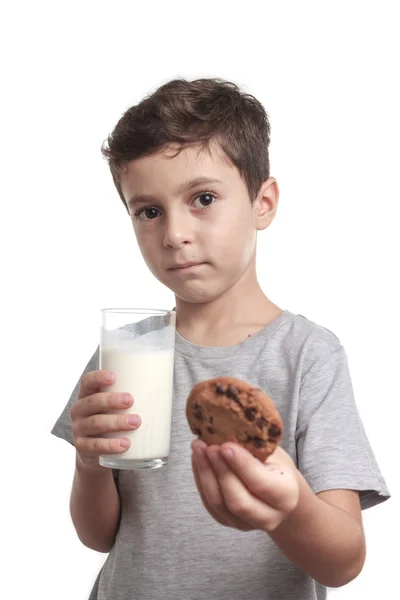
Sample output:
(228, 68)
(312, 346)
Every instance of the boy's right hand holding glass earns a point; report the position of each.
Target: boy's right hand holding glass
(93, 416)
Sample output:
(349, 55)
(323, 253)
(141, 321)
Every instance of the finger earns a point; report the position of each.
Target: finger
(215, 515)
(93, 381)
(101, 402)
(207, 482)
(238, 499)
(96, 446)
(96, 425)
(273, 483)
(210, 490)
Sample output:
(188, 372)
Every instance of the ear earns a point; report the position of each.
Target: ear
(266, 203)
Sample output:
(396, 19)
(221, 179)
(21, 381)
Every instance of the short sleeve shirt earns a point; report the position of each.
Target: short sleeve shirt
(167, 545)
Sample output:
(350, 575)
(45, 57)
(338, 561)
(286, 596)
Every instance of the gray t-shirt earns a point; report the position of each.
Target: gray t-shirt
(167, 545)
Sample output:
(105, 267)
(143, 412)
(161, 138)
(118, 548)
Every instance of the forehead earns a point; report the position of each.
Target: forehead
(168, 169)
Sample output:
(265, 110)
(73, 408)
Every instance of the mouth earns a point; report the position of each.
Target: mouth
(184, 267)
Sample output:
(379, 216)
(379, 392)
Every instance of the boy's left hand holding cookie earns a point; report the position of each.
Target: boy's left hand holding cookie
(240, 491)
(321, 534)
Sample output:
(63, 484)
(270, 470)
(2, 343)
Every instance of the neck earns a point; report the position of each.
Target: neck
(238, 313)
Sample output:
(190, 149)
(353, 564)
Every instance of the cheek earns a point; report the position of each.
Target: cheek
(148, 248)
(234, 242)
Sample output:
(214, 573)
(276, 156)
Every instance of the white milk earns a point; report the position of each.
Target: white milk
(148, 376)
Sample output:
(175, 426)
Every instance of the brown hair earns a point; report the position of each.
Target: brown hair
(187, 113)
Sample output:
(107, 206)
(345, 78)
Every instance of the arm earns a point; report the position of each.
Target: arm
(95, 504)
(322, 539)
(323, 536)
(95, 507)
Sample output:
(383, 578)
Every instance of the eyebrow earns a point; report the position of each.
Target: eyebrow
(184, 187)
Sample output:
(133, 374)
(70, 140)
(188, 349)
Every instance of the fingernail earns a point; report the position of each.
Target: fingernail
(124, 443)
(109, 377)
(126, 399)
(227, 452)
(133, 420)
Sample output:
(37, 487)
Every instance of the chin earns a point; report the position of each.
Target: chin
(191, 292)
(195, 291)
(197, 296)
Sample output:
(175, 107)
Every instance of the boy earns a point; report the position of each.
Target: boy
(191, 166)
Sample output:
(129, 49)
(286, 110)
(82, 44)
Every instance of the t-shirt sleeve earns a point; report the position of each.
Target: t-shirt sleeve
(63, 426)
(333, 451)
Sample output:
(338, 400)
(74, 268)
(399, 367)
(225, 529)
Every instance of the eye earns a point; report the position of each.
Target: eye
(204, 200)
(147, 214)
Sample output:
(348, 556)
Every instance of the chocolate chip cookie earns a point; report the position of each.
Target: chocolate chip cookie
(226, 409)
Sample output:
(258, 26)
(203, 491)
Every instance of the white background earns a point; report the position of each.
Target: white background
(327, 73)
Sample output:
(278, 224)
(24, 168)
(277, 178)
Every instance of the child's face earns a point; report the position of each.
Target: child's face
(198, 240)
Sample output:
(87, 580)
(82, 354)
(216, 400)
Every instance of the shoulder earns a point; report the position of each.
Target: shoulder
(312, 342)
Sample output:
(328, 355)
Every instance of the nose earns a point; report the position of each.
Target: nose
(178, 231)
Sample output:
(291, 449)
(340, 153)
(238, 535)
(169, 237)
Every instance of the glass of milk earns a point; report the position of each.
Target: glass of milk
(138, 346)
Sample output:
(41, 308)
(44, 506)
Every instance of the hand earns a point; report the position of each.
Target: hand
(241, 492)
(92, 416)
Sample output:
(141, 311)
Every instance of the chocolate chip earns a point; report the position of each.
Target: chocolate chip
(211, 420)
(258, 442)
(261, 422)
(210, 430)
(196, 431)
(274, 430)
(196, 406)
(232, 392)
(198, 415)
(229, 391)
(221, 389)
(250, 413)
